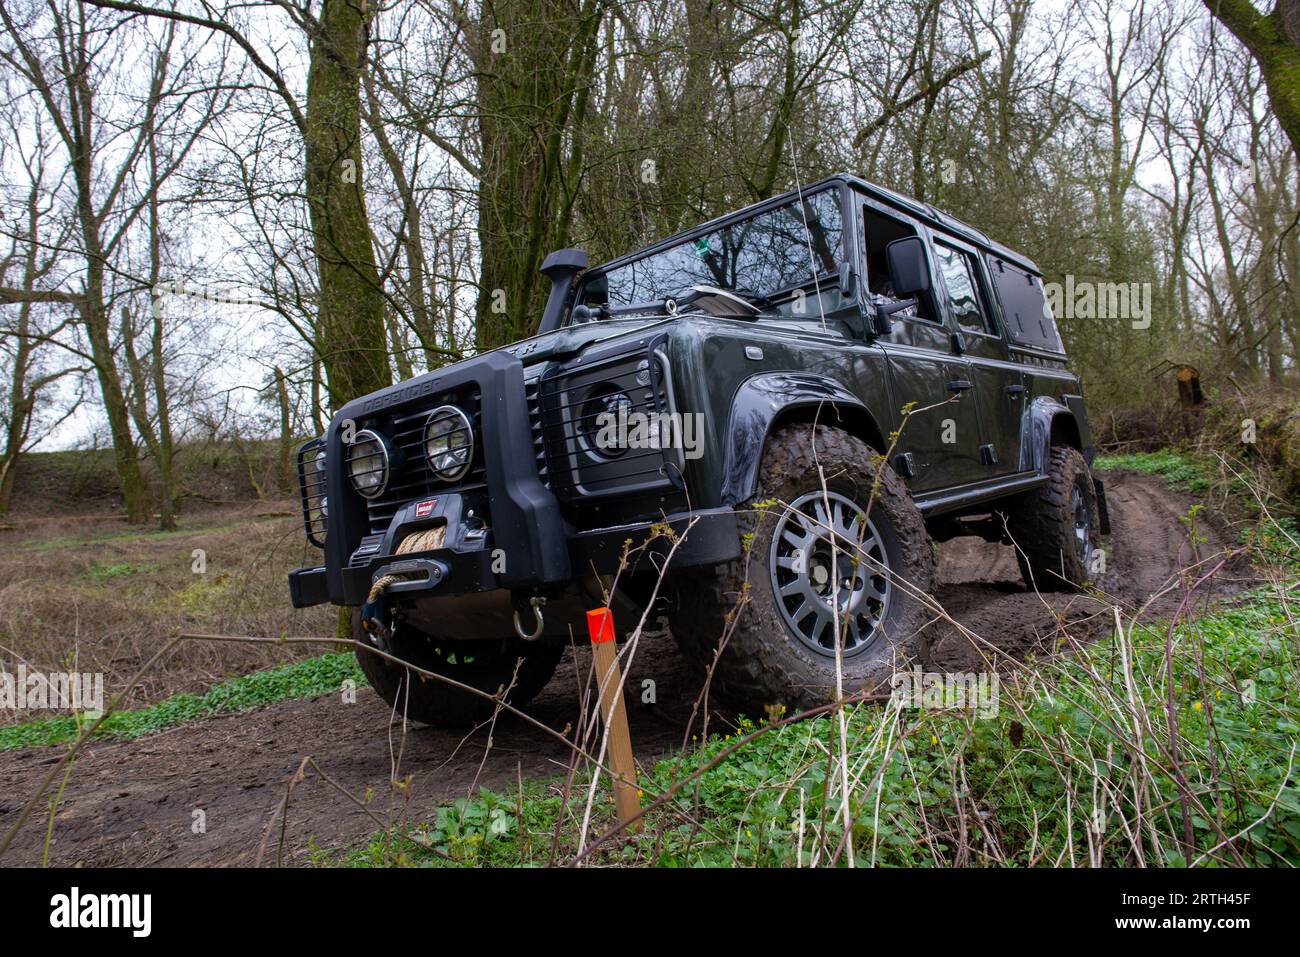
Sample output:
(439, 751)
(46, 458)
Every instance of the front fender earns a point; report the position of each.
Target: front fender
(763, 399)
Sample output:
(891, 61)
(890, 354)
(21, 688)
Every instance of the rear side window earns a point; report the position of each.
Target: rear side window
(957, 269)
(1028, 317)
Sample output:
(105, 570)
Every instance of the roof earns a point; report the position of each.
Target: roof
(925, 212)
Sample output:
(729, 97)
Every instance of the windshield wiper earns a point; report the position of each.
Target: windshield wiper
(584, 313)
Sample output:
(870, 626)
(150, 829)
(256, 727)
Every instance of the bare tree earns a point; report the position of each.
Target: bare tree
(26, 341)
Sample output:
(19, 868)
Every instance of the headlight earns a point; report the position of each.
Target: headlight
(369, 464)
(603, 420)
(449, 442)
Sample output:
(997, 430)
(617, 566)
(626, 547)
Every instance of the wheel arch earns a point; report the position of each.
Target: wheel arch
(1051, 422)
(768, 401)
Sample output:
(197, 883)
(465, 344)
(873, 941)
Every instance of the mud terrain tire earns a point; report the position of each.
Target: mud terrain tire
(486, 665)
(765, 662)
(1046, 526)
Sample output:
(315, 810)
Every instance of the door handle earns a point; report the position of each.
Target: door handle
(960, 385)
(1015, 390)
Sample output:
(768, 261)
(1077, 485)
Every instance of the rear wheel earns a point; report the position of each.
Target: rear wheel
(489, 666)
(1056, 528)
(824, 567)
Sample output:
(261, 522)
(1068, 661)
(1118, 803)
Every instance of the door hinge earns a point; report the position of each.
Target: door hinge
(903, 465)
(988, 454)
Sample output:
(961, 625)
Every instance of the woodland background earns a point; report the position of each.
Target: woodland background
(220, 220)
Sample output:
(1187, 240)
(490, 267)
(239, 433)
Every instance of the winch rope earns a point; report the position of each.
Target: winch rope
(422, 541)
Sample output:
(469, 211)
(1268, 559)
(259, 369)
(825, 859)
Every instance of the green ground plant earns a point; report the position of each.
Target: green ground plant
(308, 678)
(1170, 744)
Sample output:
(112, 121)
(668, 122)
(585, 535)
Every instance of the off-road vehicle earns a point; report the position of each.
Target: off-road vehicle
(792, 402)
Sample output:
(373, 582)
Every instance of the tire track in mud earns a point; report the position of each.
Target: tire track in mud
(133, 803)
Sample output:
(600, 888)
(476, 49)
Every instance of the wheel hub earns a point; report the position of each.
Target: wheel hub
(829, 573)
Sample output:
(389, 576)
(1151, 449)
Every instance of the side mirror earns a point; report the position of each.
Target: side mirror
(882, 321)
(909, 266)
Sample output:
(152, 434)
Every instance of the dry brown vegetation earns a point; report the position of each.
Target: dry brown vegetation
(90, 593)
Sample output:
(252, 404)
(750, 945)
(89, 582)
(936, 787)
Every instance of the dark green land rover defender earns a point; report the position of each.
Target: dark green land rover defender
(760, 425)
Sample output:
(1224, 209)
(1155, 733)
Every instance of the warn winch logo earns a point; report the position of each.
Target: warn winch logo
(425, 509)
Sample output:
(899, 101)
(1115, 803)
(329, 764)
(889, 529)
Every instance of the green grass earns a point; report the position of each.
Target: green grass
(100, 572)
(301, 679)
(1182, 471)
(1276, 544)
(1029, 775)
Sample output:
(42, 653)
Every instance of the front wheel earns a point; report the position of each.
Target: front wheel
(522, 669)
(842, 566)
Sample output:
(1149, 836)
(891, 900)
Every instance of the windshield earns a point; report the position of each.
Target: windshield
(770, 253)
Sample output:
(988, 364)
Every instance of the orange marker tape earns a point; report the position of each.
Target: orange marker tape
(600, 625)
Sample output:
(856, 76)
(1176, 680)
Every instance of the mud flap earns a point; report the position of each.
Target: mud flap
(1103, 511)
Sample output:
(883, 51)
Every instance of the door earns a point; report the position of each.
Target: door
(999, 392)
(938, 446)
(939, 442)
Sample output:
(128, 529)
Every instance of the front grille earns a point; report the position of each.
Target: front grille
(577, 468)
(412, 477)
(311, 489)
(532, 391)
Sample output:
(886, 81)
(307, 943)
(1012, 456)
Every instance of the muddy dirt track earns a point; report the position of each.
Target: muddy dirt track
(133, 803)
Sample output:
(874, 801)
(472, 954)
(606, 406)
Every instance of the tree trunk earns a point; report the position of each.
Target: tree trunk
(350, 333)
(20, 417)
(135, 498)
(532, 57)
(94, 313)
(287, 476)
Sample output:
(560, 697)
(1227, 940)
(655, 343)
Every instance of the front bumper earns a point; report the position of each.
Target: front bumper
(472, 564)
(507, 532)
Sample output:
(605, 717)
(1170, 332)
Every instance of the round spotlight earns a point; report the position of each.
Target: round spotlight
(369, 463)
(602, 419)
(449, 442)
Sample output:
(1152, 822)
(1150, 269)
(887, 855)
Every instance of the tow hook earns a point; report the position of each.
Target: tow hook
(537, 601)
(379, 633)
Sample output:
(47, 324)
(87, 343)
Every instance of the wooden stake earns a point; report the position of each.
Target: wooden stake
(609, 678)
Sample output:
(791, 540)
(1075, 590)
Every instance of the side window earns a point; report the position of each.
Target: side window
(1025, 307)
(957, 271)
(881, 230)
